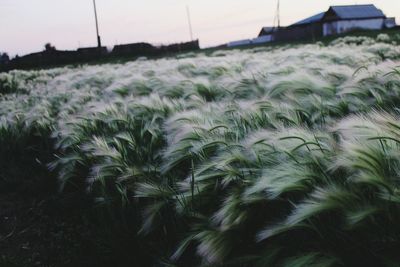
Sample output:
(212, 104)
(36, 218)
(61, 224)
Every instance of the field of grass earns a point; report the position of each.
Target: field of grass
(271, 156)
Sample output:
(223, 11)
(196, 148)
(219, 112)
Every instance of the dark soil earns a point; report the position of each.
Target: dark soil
(35, 232)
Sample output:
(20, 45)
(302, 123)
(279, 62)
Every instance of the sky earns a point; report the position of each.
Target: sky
(26, 25)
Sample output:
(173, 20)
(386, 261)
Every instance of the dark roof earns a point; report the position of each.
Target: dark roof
(357, 12)
(341, 12)
(266, 31)
(311, 19)
(346, 12)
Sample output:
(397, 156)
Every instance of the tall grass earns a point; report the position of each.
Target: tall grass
(263, 157)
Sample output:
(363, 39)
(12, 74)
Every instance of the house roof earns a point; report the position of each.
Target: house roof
(341, 12)
(311, 19)
(346, 12)
(357, 11)
(266, 31)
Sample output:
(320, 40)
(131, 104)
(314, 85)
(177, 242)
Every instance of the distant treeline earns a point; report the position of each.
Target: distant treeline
(53, 57)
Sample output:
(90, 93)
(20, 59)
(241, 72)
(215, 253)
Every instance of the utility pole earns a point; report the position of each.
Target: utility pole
(97, 25)
(279, 15)
(277, 18)
(189, 22)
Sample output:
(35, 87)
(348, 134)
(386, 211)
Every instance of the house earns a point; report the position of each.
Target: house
(390, 23)
(341, 19)
(336, 20)
(265, 35)
(309, 28)
(239, 43)
(266, 31)
(262, 39)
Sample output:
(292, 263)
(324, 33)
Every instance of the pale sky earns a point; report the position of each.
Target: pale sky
(26, 25)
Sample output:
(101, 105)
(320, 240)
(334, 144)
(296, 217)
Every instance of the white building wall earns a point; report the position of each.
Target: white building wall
(337, 27)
